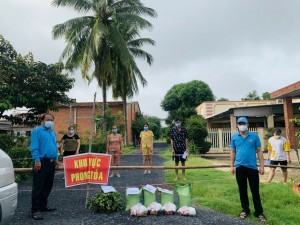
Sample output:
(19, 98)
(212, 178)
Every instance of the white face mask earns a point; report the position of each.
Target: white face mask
(277, 136)
(242, 128)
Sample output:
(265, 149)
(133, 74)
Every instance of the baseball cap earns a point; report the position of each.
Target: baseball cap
(242, 120)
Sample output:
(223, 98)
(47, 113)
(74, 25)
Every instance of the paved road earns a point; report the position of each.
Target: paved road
(70, 202)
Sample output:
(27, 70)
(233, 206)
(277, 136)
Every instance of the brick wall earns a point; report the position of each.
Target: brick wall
(81, 114)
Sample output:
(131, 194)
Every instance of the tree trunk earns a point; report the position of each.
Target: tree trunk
(125, 120)
(104, 110)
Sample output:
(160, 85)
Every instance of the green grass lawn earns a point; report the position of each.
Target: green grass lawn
(218, 190)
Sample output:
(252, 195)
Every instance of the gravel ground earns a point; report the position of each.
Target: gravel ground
(70, 202)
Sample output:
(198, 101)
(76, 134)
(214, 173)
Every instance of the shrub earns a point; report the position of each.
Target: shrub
(96, 148)
(197, 133)
(105, 202)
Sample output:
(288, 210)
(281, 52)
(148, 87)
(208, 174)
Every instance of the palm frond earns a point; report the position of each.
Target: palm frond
(78, 5)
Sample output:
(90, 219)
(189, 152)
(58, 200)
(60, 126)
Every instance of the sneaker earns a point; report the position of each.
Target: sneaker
(118, 175)
(149, 172)
(262, 218)
(112, 175)
(37, 216)
(243, 215)
(145, 172)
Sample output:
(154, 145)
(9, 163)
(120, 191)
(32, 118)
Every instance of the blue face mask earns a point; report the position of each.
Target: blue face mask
(49, 124)
(71, 132)
(178, 124)
(114, 131)
(146, 128)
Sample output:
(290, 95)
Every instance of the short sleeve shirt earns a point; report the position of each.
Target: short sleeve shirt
(278, 147)
(70, 143)
(147, 139)
(245, 149)
(178, 138)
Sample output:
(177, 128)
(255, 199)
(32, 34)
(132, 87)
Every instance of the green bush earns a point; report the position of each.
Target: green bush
(96, 148)
(197, 133)
(21, 158)
(105, 202)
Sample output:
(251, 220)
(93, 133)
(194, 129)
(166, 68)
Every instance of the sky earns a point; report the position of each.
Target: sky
(235, 46)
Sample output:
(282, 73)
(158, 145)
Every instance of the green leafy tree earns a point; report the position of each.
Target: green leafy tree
(223, 99)
(197, 133)
(266, 96)
(138, 126)
(27, 83)
(96, 42)
(125, 84)
(252, 96)
(182, 99)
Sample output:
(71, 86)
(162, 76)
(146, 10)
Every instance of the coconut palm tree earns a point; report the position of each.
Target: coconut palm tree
(94, 41)
(125, 85)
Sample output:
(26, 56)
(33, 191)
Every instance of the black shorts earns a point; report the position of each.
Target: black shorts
(67, 153)
(281, 163)
(178, 157)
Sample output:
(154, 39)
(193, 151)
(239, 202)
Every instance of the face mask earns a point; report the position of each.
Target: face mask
(242, 128)
(178, 124)
(71, 132)
(277, 136)
(146, 128)
(114, 131)
(49, 124)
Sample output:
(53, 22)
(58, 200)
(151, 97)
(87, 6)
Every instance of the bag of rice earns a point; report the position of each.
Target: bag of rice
(166, 196)
(133, 197)
(149, 194)
(184, 195)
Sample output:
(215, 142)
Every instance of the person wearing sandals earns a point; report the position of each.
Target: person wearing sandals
(245, 145)
(146, 146)
(114, 148)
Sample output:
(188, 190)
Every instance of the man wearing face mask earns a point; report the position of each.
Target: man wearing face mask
(279, 153)
(179, 145)
(44, 152)
(245, 145)
(70, 143)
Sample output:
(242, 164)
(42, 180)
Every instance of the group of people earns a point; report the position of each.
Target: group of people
(245, 146)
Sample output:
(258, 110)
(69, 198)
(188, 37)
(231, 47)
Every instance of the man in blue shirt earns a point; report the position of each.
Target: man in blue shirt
(245, 146)
(44, 152)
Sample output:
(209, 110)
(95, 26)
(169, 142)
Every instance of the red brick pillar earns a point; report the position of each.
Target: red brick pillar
(289, 125)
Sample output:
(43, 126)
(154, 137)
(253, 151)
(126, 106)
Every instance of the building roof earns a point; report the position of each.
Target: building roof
(292, 90)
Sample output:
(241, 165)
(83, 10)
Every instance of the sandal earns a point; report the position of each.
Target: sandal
(243, 215)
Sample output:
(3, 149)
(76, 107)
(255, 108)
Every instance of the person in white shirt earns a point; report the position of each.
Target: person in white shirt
(278, 153)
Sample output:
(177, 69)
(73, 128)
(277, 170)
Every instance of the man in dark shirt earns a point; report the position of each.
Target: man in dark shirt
(179, 146)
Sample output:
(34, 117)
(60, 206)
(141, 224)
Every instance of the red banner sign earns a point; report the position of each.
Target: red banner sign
(86, 168)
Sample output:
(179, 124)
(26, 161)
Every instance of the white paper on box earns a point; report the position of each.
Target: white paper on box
(150, 188)
(132, 191)
(107, 189)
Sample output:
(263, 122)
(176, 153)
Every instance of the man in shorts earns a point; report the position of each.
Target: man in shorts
(278, 153)
(179, 146)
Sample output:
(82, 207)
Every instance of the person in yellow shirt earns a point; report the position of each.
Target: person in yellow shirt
(146, 146)
(278, 153)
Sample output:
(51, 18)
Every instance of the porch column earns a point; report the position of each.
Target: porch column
(208, 124)
(290, 126)
(232, 123)
(270, 121)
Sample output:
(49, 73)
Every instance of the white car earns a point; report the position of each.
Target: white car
(8, 189)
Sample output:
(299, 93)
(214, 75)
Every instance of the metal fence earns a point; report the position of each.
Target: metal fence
(220, 137)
